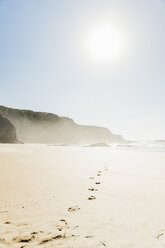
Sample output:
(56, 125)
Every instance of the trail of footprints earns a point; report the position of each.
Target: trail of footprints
(90, 198)
(63, 226)
(99, 174)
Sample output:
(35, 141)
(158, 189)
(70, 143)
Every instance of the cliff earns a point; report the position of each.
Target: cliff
(40, 127)
(7, 131)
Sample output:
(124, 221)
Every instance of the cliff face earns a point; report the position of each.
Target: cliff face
(7, 131)
(38, 127)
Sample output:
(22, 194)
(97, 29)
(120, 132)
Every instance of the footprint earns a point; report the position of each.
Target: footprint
(97, 183)
(63, 227)
(92, 189)
(7, 222)
(34, 233)
(106, 168)
(91, 178)
(51, 239)
(99, 175)
(60, 229)
(73, 209)
(63, 220)
(75, 227)
(103, 243)
(160, 235)
(91, 198)
(26, 240)
(89, 236)
(2, 240)
(75, 236)
(22, 224)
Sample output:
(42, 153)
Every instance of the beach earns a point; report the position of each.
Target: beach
(81, 197)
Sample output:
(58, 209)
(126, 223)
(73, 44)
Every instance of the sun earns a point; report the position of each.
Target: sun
(105, 43)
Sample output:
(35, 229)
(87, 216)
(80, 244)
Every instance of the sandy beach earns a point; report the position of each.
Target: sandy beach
(79, 197)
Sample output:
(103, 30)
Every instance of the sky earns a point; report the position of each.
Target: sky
(46, 64)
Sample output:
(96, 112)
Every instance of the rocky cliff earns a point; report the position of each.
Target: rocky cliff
(7, 131)
(39, 127)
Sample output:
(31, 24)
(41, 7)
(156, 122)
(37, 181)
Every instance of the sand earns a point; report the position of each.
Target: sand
(72, 197)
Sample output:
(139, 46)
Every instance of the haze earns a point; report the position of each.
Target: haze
(46, 64)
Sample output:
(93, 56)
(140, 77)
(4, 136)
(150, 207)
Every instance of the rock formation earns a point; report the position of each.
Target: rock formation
(39, 127)
(7, 131)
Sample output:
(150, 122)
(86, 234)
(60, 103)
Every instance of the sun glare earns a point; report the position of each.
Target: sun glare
(105, 43)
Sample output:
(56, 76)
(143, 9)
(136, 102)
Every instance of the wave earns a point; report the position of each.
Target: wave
(154, 146)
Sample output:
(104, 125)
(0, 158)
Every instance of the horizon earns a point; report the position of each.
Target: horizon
(52, 61)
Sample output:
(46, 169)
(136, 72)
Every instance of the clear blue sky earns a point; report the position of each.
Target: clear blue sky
(45, 66)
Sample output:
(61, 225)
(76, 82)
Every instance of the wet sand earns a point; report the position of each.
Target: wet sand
(81, 197)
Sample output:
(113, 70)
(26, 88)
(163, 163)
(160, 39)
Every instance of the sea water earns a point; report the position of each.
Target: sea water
(148, 145)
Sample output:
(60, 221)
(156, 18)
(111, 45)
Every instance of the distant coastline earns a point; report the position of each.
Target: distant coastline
(48, 128)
